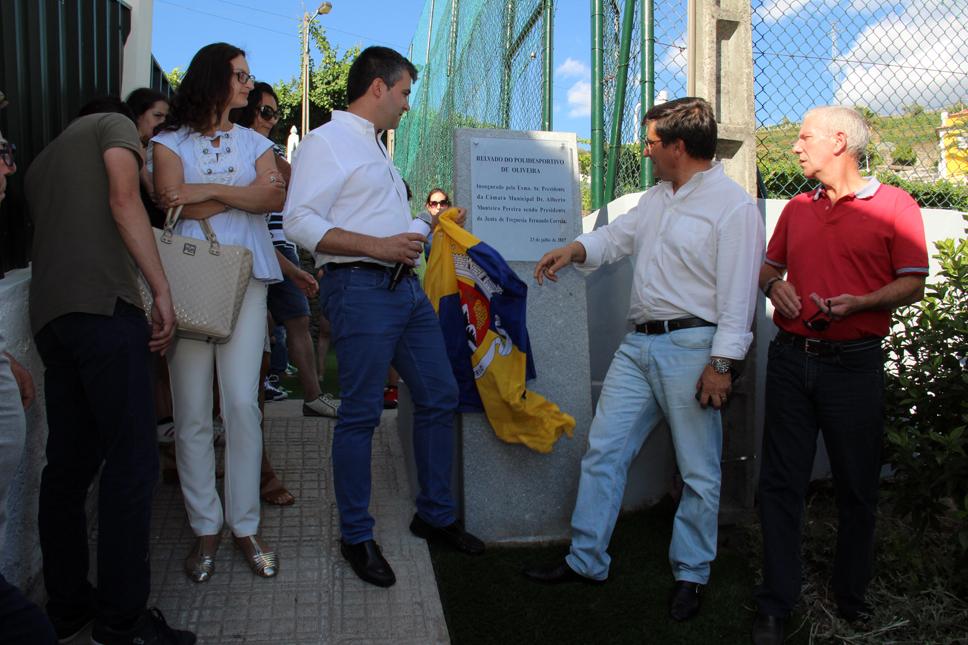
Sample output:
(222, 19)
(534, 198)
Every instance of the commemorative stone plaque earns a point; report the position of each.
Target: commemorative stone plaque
(522, 194)
(523, 199)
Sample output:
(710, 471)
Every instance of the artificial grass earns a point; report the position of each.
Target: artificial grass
(487, 600)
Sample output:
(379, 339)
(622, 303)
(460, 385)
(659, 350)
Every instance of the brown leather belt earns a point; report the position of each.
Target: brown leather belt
(819, 347)
(664, 326)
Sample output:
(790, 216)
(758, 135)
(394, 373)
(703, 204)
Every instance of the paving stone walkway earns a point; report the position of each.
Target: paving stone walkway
(316, 597)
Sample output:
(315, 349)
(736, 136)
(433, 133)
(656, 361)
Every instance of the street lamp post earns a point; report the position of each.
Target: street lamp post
(323, 9)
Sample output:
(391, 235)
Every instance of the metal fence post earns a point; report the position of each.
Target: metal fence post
(598, 125)
(647, 100)
(547, 97)
(506, 64)
(618, 110)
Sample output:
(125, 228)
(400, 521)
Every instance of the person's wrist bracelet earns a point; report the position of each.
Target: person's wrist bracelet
(769, 286)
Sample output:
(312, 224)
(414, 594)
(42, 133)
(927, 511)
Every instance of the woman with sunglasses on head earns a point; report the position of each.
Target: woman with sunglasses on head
(227, 174)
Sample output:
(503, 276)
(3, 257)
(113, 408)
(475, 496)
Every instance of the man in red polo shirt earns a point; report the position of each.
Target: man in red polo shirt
(852, 250)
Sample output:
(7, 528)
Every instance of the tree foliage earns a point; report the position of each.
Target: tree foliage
(175, 77)
(927, 401)
(327, 87)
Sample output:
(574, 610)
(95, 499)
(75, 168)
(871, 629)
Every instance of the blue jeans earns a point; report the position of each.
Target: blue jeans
(843, 395)
(652, 377)
(373, 327)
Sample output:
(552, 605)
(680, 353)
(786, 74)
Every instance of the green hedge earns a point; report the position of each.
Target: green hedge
(784, 180)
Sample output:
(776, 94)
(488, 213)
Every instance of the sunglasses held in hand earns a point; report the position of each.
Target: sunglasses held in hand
(821, 324)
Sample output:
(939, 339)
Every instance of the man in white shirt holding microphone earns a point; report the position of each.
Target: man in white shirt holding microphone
(348, 205)
(697, 241)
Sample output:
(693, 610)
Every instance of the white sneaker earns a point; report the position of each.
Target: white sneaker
(324, 406)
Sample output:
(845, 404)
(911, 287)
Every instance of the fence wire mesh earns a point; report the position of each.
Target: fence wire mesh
(669, 35)
(480, 65)
(903, 64)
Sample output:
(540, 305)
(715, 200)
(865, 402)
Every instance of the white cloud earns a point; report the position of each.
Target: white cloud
(916, 57)
(580, 99)
(572, 68)
(777, 10)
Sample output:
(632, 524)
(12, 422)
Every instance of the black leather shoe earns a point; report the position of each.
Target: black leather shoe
(368, 563)
(767, 630)
(684, 600)
(558, 573)
(453, 534)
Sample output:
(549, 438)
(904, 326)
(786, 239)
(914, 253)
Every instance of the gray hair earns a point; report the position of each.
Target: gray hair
(839, 118)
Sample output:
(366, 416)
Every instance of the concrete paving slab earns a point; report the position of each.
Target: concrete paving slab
(316, 598)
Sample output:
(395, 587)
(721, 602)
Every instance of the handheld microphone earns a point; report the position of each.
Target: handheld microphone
(421, 225)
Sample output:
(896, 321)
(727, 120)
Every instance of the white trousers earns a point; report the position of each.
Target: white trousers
(192, 366)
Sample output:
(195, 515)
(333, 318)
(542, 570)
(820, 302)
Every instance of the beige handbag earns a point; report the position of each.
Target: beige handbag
(207, 280)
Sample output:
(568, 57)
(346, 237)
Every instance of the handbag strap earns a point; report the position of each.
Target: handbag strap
(171, 218)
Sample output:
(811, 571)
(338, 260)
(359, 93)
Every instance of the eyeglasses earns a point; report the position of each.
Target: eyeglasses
(443, 202)
(244, 77)
(268, 113)
(822, 324)
(648, 143)
(6, 152)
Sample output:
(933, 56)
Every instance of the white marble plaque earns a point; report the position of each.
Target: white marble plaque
(522, 195)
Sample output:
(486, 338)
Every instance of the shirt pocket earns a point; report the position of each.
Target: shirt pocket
(691, 239)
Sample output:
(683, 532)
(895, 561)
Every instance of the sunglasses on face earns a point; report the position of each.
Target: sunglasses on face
(6, 152)
(818, 324)
(244, 77)
(268, 113)
(435, 203)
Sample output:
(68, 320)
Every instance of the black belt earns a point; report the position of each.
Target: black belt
(663, 326)
(819, 347)
(360, 264)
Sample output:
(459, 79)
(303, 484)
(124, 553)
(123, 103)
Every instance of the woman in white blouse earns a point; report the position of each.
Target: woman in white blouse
(227, 174)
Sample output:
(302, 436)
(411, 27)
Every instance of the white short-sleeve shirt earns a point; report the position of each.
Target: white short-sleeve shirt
(232, 163)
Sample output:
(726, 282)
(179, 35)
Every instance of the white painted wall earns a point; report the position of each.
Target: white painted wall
(608, 298)
(136, 69)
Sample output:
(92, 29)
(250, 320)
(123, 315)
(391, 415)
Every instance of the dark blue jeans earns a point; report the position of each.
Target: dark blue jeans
(841, 395)
(100, 410)
(373, 327)
(21, 621)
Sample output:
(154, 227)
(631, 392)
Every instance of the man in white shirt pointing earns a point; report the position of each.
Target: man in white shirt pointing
(348, 204)
(697, 242)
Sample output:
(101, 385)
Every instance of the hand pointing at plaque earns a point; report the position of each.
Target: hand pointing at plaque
(552, 261)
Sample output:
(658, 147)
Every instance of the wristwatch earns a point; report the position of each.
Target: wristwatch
(721, 365)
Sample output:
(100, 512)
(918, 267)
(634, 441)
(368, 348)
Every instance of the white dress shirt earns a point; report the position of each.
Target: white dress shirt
(697, 251)
(342, 177)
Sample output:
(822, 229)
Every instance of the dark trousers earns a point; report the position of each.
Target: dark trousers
(100, 410)
(21, 621)
(373, 328)
(843, 396)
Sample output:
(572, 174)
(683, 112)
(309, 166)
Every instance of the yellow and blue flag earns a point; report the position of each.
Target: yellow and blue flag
(481, 305)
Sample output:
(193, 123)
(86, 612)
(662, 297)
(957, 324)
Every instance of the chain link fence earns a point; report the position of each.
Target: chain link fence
(480, 65)
(903, 64)
(669, 19)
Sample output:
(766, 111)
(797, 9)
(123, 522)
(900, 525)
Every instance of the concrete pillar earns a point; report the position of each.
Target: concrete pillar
(720, 65)
(136, 68)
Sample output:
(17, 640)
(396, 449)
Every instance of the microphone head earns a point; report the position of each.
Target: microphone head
(425, 217)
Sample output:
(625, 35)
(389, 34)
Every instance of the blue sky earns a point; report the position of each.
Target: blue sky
(267, 31)
(889, 53)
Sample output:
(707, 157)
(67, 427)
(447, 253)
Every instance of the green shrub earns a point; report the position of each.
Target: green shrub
(927, 401)
(904, 155)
